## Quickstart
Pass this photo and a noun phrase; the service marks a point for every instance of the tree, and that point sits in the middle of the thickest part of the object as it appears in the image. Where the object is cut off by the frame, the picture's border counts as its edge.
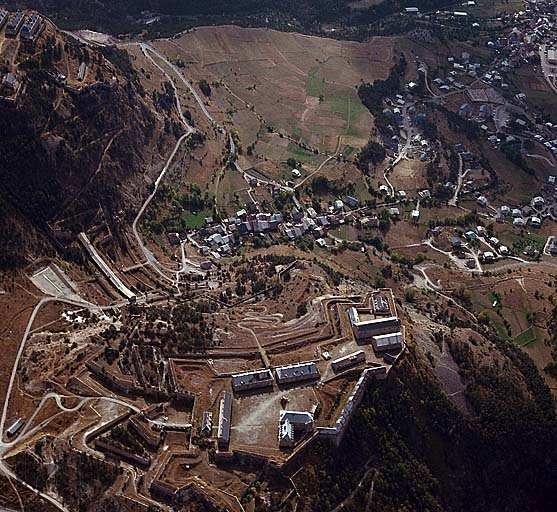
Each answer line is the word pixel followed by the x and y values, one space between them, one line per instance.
pixel 205 87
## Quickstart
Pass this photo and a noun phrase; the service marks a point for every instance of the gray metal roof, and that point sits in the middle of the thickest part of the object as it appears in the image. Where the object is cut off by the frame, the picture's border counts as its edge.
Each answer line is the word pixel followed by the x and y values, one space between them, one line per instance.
pixel 299 370
pixel 225 417
pixel 257 377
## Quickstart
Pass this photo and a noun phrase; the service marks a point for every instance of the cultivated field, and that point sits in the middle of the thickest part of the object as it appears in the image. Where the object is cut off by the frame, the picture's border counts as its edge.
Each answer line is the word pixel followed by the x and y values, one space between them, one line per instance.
pixel 302 86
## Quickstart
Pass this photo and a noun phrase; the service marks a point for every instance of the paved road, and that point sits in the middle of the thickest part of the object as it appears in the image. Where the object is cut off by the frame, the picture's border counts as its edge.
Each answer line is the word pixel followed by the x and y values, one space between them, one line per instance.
pixel 3 446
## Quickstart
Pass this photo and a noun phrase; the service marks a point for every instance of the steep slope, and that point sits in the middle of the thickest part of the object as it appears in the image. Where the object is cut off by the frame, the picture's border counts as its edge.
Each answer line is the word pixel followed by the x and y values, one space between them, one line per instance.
pixel 69 147
pixel 410 448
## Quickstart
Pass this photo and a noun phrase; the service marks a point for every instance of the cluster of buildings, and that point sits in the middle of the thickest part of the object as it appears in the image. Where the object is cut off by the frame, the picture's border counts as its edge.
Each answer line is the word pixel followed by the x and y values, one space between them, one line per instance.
pixel 495 248
pixel 419 146
pixel 377 324
pixel 527 215
pixel 257 379
pixel 290 422
pixel 540 208
pixel 217 239
pixel 28 27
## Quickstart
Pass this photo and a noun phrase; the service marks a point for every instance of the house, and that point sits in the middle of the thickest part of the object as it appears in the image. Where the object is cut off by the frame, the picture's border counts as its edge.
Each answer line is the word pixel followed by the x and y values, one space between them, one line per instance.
pixel 538 202
pixel 82 72
pixel 456 243
pixel 11 82
pixel 415 215
pixel 215 239
pixel 3 17
pixel 373 222
pixel 516 213
pixel 15 427
pixel 15 22
pixel 296 174
pixel 352 202
pixel 31 28
pixel 402 195
pixel 470 235
pixel 339 205
pixel 504 250
pixel 505 210
pixel 323 221
pixel 311 213
pixel 206 265
pixel 488 256
pixel 319 232
pixel 173 238
pixel 519 222
pixel 394 211
pixel 536 222
pixel 297 215
pixel 383 189
pixel 412 11
pixel 499 218
pixel 465 109
pixel 482 201
pixel 530 251
pixel 494 241
pixel 321 243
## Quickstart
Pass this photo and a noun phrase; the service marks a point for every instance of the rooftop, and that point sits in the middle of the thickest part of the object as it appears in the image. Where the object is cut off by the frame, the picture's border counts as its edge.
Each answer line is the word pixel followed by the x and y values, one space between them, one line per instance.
pixel 299 370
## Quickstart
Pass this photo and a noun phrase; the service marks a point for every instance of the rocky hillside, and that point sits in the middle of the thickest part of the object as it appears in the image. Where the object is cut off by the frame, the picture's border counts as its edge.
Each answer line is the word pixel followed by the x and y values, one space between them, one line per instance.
pixel 410 448
pixel 69 147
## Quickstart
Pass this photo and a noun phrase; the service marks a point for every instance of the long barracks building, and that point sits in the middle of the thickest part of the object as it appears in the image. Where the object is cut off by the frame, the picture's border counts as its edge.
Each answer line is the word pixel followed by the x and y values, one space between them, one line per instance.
pixel 366 328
